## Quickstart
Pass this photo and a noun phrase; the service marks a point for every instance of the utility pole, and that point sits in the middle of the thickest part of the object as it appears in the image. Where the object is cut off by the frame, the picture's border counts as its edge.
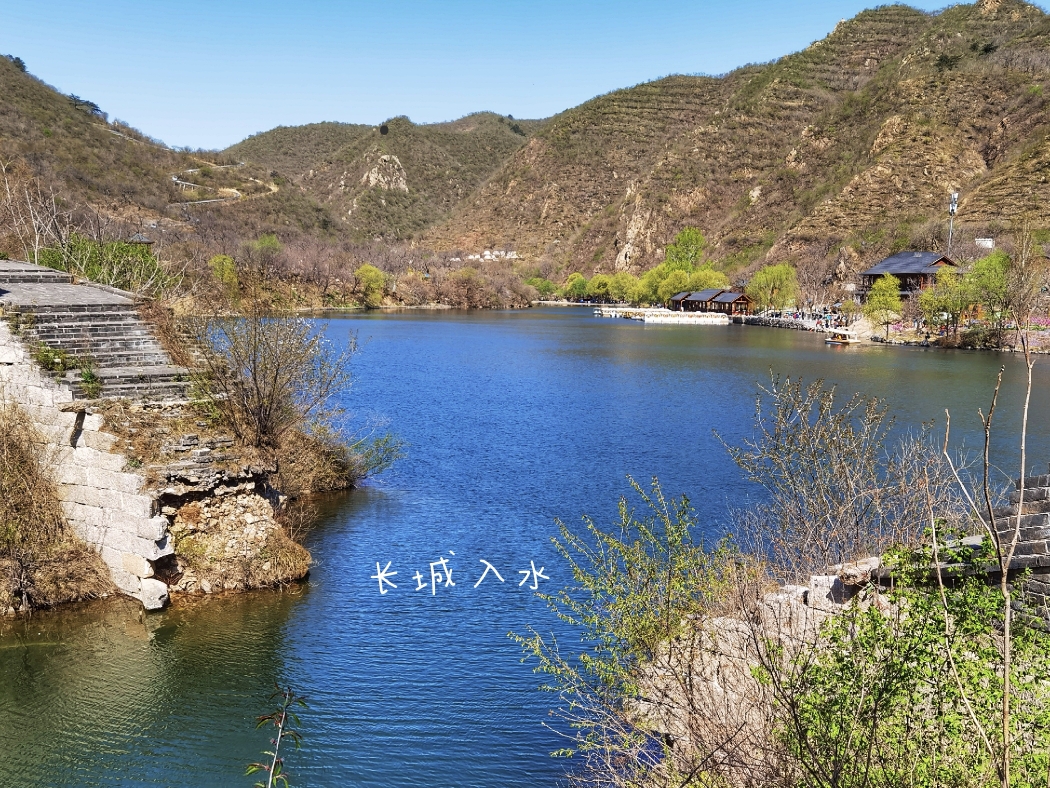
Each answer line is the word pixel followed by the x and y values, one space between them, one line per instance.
pixel 953 206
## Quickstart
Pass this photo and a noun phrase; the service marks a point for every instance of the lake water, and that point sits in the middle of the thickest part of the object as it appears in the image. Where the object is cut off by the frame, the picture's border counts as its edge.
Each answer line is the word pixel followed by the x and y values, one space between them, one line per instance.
pixel 512 419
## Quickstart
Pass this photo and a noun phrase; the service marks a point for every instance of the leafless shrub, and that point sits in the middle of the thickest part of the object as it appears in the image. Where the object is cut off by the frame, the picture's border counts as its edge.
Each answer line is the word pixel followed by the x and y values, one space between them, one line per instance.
pixel 32 210
pixel 269 374
pixel 837 489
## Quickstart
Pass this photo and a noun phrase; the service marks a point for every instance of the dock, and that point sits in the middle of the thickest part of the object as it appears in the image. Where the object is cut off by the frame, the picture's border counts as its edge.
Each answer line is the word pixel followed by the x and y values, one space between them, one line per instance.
pixel 659 315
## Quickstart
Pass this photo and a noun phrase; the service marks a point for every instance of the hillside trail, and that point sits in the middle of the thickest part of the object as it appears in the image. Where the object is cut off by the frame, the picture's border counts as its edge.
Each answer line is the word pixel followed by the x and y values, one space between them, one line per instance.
pixel 234 194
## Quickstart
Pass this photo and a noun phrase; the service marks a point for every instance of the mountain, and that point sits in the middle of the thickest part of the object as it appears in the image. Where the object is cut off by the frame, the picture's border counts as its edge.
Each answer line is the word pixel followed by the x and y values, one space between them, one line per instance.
pixel 828 158
pixel 390 181
pixel 841 152
pixel 118 173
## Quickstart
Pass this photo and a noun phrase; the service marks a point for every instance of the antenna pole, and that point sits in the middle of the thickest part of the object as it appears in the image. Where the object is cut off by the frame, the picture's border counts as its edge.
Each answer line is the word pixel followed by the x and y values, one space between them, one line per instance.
pixel 953 206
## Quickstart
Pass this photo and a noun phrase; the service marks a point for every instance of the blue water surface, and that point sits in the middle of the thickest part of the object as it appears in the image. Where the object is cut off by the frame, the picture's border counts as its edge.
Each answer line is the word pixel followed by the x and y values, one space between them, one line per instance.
pixel 511 419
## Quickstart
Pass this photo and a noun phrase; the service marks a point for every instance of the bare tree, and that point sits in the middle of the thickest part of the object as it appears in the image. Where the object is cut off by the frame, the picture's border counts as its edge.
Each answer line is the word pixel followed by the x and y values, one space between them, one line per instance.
pixel 32 210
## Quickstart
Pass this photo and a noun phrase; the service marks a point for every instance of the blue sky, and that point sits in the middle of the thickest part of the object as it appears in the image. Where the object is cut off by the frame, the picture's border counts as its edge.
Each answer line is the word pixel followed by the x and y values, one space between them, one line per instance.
pixel 208 74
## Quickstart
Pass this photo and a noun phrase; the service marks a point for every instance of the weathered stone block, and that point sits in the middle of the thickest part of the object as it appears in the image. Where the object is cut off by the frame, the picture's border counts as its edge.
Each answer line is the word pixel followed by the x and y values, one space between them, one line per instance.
pixel 100 441
pixel 1030 548
pixel 859 573
pixel 82 494
pixel 80 513
pixel 125 581
pixel 71 474
pixel 93 458
pixel 1007 525
pixel 136 505
pixel 115 481
pixel 153 594
pixel 11 355
pixel 154 529
pixel 1030 561
pixel 50 415
pixel 1031 535
pixel 827 592
pixel 1037 494
pixel 137 565
pixel 1034 482
pixel 125 542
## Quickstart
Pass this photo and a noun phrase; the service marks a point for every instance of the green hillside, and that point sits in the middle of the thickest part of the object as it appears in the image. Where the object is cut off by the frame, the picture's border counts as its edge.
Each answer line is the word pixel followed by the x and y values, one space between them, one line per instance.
pixel 390 181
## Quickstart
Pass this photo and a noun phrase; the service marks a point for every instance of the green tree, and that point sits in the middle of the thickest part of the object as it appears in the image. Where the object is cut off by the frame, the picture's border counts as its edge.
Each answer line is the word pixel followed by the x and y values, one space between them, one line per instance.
pixel 545 287
pixel 118 264
pixel 261 260
pixel 891 694
pixel 637 587
pixel 989 285
pixel 705 278
pixel 576 287
pixel 371 284
pixel 685 253
pixel 649 285
pixel 599 286
pixel 883 304
pixel 224 269
pixel 773 287
pixel 944 303
pixel 623 287
pixel 676 282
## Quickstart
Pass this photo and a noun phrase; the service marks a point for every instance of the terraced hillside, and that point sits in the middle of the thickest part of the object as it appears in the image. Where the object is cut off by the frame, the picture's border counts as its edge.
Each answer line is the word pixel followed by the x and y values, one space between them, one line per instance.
pixel 391 181
pixel 841 152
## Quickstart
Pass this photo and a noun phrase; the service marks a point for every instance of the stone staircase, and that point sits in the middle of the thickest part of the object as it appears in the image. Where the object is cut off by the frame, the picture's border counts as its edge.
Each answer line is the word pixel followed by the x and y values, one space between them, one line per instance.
pixel 115 353
pixel 1031 559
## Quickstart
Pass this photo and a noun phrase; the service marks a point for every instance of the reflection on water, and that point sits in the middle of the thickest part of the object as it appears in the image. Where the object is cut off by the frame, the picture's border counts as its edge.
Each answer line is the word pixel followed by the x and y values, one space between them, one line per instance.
pixel 105 695
pixel 512 419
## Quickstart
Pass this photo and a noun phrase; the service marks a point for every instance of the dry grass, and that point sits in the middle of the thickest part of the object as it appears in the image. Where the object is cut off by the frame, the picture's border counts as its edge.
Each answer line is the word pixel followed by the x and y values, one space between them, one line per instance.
pixel 41 561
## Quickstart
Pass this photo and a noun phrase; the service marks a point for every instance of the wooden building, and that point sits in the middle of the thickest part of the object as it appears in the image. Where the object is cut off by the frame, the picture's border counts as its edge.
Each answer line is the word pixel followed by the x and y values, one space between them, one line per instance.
pixel 714 299
pixel 732 303
pixel 915 270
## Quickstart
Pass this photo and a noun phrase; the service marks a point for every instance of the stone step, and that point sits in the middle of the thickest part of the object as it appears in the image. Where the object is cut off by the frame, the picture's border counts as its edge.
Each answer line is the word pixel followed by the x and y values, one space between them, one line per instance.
pixel 77 309
pixel 155 381
pixel 104 331
pixel 134 373
pixel 88 347
pixel 87 332
pixel 102 320
pixel 72 337
pixel 80 322
pixel 100 313
pixel 84 342
pixel 167 391
pixel 125 360
pixel 1031 494
pixel 87 350
pixel 33 277
pixel 1034 506
pixel 1034 482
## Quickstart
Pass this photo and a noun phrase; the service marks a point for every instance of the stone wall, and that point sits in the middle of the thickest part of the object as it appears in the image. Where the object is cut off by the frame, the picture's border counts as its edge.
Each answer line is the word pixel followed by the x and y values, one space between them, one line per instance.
pixel 106 504
pixel 1033 544
pixel 222 510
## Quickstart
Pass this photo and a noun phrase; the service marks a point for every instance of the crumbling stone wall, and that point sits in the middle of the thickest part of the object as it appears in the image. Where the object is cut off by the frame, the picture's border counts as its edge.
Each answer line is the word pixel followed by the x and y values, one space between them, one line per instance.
pixel 126 511
pixel 106 504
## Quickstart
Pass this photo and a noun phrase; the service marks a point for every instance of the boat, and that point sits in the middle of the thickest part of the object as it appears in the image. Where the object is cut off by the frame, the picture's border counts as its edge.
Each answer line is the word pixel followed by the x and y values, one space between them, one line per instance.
pixel 841 336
